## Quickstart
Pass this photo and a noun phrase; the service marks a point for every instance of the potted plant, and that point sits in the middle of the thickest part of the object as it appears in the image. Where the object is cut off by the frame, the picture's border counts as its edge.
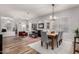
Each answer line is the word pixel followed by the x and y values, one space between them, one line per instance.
pixel 76 31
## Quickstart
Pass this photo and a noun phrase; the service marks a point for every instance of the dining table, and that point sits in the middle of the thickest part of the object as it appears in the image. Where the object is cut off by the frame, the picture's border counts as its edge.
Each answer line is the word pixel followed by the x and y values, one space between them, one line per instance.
pixel 53 37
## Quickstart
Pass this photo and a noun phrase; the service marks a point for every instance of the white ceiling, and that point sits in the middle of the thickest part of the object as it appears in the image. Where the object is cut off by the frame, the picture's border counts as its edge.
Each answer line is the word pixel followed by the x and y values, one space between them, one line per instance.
pixel 31 10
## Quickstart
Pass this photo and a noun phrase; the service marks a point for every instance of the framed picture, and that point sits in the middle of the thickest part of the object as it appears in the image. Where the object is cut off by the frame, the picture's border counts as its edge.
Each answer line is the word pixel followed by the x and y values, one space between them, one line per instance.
pixel 34 26
pixel 41 25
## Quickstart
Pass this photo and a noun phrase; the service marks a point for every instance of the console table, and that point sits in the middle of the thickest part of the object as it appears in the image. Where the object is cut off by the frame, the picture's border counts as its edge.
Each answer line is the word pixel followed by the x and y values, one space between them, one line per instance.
pixel 75 43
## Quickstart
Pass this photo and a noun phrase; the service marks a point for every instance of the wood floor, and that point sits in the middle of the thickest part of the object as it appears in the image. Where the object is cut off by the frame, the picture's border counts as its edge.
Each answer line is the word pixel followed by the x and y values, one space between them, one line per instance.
pixel 18 45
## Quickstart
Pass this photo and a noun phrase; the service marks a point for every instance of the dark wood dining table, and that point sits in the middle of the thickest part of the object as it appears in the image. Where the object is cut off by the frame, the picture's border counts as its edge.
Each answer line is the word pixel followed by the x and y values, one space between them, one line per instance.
pixel 53 37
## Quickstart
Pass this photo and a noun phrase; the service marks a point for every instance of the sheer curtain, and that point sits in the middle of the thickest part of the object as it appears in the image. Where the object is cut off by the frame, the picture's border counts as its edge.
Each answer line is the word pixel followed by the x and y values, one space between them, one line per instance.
pixel 62 24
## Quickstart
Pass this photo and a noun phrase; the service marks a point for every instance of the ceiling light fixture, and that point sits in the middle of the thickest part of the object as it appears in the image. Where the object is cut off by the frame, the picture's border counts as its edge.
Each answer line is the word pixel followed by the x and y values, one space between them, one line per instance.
pixel 53 14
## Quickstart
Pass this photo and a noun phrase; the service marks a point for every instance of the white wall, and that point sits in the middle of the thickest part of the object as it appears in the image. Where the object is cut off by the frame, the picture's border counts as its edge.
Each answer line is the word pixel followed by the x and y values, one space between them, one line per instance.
pixel 72 16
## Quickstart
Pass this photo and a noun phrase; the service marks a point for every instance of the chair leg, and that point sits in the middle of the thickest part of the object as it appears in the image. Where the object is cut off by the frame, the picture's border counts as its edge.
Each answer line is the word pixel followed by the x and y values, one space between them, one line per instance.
pixel 46 45
pixel 60 41
pixel 57 44
pixel 41 43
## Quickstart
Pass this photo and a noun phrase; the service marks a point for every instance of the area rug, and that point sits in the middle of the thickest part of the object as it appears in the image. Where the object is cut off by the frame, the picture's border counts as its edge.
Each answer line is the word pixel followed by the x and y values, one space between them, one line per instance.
pixel 65 48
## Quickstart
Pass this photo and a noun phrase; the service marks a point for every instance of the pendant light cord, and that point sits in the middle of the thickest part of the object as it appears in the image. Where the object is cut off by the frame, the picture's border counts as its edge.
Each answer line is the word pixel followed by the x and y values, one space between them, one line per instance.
pixel 53 10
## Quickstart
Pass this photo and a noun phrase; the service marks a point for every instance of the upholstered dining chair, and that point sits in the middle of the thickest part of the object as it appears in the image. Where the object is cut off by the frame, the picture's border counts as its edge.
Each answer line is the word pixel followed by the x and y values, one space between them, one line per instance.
pixel 45 39
pixel 53 32
pixel 59 38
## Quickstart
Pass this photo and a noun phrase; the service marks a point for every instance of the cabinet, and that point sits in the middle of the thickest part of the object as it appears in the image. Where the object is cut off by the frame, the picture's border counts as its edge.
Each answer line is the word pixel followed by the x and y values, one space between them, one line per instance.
pixel 0 43
pixel 76 44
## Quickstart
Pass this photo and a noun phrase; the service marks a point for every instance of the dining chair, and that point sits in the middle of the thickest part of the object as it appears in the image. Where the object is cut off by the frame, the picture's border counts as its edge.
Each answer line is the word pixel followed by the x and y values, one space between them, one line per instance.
pixel 59 38
pixel 45 39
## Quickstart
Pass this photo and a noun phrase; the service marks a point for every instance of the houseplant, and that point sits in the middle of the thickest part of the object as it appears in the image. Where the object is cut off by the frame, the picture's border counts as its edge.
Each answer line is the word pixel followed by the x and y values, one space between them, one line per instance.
pixel 76 31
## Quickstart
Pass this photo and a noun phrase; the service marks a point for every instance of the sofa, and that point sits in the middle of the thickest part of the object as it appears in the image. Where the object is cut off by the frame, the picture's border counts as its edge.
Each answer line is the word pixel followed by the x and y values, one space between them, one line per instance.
pixel 23 33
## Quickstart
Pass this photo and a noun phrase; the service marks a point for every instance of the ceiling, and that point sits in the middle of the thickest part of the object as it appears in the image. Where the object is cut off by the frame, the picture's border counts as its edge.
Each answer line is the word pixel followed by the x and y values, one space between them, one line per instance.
pixel 28 11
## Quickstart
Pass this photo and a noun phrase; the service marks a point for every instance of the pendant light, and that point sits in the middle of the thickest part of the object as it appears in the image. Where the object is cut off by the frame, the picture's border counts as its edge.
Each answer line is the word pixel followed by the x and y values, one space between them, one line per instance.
pixel 53 14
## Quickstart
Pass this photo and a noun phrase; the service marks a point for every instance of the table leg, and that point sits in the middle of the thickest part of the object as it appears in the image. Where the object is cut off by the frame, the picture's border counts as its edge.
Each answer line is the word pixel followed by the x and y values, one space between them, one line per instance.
pixel 52 44
pixel 74 45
